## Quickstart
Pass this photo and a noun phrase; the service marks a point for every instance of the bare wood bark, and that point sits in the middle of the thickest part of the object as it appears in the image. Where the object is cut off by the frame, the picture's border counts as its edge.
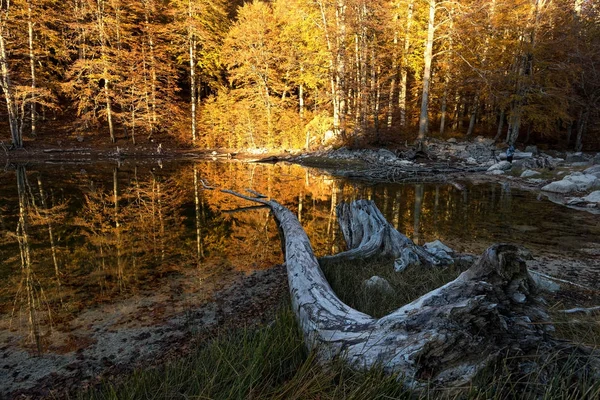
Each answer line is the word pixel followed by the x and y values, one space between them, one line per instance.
pixel 445 337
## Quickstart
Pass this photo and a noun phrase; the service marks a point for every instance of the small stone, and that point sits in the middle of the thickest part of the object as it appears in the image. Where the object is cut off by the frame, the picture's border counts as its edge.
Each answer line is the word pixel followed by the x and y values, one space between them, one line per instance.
pixel 495 172
pixel 502 166
pixel 471 161
pixel 528 173
pixel 451 140
pixel 379 284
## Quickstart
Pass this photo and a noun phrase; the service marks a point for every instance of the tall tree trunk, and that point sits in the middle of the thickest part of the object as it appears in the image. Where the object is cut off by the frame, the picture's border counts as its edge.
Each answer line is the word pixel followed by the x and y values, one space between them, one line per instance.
pixel 444 106
pixel 402 96
pixel 500 126
pixel 424 119
pixel 581 128
pixel 32 105
pixel 5 80
pixel 339 119
pixel 192 54
pixel 473 117
pixel 148 7
pixel 105 73
pixel 390 110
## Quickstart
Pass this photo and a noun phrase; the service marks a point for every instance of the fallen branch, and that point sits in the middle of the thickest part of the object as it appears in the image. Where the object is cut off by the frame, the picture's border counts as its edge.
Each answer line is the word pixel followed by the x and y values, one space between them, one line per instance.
pixel 445 337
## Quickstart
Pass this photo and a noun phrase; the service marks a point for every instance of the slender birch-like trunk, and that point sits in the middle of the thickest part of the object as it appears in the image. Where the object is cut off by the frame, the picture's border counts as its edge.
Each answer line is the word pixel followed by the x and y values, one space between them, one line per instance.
pixel 192 54
pixel 424 119
pixel 404 71
pixel 5 80
pixel 32 106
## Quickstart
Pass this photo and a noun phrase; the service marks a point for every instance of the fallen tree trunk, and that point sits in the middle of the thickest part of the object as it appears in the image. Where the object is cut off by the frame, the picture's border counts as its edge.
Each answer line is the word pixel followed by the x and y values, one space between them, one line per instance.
pixel 445 337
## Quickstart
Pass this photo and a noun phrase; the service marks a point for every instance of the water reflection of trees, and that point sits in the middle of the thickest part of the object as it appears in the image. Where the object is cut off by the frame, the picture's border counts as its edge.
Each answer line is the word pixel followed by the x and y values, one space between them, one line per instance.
pixel 35 290
pixel 69 241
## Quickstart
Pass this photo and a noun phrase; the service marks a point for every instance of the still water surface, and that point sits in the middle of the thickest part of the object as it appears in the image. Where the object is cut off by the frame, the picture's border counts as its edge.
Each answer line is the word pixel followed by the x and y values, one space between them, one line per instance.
pixel 73 238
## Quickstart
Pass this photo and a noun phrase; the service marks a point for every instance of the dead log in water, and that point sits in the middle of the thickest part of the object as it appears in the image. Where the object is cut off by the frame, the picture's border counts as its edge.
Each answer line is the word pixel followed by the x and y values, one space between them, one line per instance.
pixel 445 337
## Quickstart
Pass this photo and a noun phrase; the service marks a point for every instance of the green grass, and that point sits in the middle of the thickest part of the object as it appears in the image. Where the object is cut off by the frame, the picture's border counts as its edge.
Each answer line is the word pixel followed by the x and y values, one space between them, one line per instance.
pixel 271 362
pixel 347 280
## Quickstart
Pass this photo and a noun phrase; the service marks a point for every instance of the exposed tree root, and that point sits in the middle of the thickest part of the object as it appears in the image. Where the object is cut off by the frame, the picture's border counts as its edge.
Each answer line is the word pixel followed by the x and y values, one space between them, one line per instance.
pixel 446 336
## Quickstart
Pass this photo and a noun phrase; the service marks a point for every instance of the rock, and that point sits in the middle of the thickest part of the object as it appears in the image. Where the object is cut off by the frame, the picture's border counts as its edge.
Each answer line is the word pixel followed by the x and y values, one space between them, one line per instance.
pixel 532 150
pixel 595 170
pixel 563 186
pixel 378 284
pixel 80 139
pixel 536 181
pixel 495 172
pixel 519 155
pixel 451 140
pixel 593 197
pixel 583 181
pixel 440 251
pixel 528 173
pixel 471 161
pixel 580 164
pixel 484 141
pixel 596 160
pixel 436 245
pixel 502 166
pixel 575 157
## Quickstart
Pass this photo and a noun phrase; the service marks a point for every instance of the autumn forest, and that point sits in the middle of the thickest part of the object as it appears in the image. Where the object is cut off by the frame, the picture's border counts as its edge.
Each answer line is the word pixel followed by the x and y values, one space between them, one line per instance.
pixel 292 74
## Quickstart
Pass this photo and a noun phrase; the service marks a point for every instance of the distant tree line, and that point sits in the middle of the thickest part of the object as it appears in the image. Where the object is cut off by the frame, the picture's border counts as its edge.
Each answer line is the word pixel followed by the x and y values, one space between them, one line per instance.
pixel 292 73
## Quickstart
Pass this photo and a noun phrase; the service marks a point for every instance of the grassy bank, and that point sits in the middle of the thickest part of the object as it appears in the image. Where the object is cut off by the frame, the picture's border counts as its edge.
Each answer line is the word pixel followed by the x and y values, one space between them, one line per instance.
pixel 271 362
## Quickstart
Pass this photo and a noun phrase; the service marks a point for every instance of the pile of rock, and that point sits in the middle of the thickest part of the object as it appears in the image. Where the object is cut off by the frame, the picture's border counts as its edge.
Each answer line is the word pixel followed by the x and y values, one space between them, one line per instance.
pixel 576 182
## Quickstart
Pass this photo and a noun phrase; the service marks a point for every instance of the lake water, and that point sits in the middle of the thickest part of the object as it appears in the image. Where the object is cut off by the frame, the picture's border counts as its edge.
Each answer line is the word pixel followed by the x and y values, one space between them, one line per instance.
pixel 74 238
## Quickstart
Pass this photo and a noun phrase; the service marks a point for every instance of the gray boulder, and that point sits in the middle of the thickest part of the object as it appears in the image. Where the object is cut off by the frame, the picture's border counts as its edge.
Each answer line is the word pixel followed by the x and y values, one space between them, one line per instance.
pixel 532 149
pixel 563 186
pixel 378 284
pixel 575 157
pixel 583 181
pixel 528 173
pixel 440 251
pixel 519 155
pixel 501 166
pixel 596 160
pixel 593 197
pixel 595 170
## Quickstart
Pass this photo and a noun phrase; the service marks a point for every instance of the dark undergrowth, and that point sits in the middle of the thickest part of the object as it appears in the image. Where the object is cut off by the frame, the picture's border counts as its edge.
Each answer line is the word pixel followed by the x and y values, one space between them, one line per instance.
pixel 271 362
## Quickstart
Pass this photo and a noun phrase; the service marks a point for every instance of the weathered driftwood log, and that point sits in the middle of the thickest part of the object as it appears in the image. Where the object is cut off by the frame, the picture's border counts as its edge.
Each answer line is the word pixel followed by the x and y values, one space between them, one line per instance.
pixel 368 233
pixel 446 336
